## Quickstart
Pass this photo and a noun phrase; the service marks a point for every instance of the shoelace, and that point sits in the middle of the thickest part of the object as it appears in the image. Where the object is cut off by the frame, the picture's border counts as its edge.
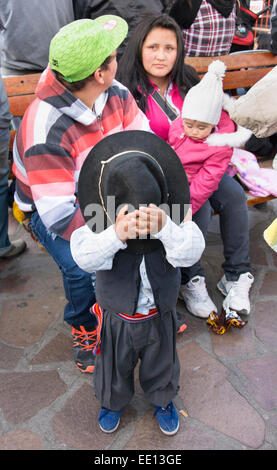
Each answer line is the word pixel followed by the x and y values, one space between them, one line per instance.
pixel 85 339
pixel 240 288
pixel 200 291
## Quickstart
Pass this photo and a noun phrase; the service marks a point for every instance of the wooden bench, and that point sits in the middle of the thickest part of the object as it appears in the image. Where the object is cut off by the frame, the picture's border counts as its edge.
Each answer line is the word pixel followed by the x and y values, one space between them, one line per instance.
pixel 243 70
pixel 21 92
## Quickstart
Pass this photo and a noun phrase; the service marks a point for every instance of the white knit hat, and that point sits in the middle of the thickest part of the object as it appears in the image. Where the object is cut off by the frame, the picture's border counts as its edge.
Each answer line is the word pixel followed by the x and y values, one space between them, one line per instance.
pixel 204 101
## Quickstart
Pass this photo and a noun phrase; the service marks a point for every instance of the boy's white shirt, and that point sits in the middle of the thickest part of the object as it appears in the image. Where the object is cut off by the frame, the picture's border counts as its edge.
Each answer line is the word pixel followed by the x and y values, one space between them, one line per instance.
pixel 184 245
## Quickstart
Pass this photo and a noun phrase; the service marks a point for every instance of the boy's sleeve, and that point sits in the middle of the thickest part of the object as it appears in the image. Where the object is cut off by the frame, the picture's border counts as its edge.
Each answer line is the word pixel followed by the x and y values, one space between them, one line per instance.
pixel 184 244
pixel 95 251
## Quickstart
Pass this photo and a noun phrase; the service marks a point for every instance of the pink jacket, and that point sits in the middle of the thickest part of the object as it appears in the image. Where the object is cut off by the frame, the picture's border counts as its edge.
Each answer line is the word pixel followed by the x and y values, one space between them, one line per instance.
pixel 204 165
pixel 158 121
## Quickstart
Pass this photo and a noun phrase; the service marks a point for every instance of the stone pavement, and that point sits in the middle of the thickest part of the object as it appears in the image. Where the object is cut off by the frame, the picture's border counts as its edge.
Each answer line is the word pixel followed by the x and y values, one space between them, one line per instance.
pixel 228 385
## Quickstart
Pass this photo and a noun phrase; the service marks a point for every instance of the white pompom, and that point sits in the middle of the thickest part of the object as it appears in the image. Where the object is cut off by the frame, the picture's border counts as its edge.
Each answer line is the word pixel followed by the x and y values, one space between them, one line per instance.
pixel 217 67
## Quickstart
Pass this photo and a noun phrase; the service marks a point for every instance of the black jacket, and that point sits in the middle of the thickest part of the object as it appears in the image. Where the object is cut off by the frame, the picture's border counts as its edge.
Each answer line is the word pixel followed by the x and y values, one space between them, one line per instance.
pixel 131 11
pixel 185 13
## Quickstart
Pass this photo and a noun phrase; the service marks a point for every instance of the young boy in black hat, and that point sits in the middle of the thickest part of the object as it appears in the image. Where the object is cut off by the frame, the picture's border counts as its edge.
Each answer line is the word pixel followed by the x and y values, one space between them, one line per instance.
pixel 133 194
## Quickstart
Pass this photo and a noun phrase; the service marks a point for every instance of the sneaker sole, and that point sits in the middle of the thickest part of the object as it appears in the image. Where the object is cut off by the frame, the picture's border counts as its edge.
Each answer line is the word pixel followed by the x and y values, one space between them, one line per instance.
pixel 88 369
pixel 169 433
pixel 110 430
pixel 182 328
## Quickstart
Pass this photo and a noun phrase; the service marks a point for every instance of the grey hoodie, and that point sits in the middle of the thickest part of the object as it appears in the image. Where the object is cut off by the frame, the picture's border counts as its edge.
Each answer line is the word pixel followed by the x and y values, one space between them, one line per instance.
pixel 5 115
pixel 30 25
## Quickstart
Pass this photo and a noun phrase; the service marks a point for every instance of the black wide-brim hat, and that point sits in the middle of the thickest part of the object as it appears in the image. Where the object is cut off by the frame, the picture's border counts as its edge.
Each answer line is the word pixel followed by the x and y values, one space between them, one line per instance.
pixel 100 174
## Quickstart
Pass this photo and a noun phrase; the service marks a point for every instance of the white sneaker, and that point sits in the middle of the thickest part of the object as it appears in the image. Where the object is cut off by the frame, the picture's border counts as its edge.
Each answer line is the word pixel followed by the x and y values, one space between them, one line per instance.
pixel 196 297
pixel 237 293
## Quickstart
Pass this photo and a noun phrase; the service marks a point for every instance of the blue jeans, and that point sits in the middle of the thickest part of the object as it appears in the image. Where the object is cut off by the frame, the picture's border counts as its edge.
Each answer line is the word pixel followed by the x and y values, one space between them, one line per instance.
pixel 229 201
pixel 78 284
pixel 5 243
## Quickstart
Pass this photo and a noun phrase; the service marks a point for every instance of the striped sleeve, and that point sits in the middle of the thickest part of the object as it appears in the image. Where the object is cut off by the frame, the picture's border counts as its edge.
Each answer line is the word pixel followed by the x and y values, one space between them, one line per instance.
pixel 50 171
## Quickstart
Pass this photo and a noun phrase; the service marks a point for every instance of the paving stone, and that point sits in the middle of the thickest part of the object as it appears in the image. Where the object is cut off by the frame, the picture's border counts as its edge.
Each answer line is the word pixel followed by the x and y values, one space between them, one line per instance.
pixel 195 326
pixel 257 254
pixel 20 440
pixel 16 283
pixel 234 342
pixel 9 356
pixel 266 322
pixel 273 420
pixel 76 424
pixel 59 349
pixel 22 282
pixel 23 394
pixel 148 436
pixel 269 284
pixel 30 319
pixel 262 375
pixel 208 396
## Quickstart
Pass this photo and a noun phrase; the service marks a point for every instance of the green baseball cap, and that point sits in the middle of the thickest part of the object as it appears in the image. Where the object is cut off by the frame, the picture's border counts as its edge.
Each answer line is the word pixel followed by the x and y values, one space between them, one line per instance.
pixel 82 46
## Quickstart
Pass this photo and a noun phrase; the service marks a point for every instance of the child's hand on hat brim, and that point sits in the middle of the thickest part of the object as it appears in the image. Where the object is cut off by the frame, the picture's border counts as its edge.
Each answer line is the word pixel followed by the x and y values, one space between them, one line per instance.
pixel 151 219
pixel 126 224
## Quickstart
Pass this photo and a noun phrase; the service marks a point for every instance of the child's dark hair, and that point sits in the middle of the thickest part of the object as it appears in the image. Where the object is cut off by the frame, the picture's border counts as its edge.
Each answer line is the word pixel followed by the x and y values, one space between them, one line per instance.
pixel 131 72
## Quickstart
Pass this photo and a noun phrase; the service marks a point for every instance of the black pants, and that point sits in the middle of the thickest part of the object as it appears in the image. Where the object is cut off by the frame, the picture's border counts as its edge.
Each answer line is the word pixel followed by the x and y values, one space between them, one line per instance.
pixel 123 344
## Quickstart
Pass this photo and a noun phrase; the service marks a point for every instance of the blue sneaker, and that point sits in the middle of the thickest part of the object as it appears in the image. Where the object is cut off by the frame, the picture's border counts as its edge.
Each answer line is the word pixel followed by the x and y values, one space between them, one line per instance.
pixel 108 420
pixel 167 418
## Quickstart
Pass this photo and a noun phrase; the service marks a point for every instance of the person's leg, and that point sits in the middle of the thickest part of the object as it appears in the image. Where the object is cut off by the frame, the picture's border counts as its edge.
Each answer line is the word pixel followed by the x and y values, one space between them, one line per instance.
pixel 4 178
pixel 202 218
pixel 230 201
pixel 160 369
pixel 193 286
pixel 114 370
pixel 79 291
pixel 7 249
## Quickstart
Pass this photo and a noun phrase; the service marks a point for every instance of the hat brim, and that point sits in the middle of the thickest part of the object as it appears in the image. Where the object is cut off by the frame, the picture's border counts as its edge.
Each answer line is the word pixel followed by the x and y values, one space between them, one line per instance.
pixel 138 141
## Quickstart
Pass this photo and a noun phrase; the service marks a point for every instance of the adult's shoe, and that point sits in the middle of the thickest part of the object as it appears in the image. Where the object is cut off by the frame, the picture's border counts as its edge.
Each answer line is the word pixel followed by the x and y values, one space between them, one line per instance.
pixel 237 293
pixel 17 247
pixel 196 297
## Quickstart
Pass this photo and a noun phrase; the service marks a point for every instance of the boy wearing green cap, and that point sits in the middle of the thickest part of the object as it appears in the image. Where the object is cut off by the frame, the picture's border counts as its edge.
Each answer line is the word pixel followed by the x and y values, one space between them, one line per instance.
pixel 78 103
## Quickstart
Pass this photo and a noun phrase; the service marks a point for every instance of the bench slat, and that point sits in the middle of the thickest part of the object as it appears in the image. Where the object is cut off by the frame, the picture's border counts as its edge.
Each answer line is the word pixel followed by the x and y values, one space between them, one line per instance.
pixel 234 61
pixel 21 84
pixel 19 104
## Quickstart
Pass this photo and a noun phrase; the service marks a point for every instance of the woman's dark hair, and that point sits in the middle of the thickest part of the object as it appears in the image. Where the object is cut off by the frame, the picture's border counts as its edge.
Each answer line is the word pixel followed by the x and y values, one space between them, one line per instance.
pixel 80 84
pixel 131 72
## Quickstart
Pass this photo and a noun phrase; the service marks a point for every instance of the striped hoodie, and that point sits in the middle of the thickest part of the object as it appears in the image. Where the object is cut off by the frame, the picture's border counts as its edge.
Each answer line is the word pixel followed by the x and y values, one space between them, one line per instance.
pixel 56 134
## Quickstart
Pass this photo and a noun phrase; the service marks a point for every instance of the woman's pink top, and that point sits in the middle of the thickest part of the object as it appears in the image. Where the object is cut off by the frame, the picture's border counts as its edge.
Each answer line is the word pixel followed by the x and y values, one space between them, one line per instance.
pixel 158 121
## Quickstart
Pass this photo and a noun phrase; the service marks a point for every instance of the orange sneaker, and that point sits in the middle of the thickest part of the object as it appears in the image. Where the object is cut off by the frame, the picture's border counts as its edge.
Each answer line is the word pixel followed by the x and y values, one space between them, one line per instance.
pixel 83 344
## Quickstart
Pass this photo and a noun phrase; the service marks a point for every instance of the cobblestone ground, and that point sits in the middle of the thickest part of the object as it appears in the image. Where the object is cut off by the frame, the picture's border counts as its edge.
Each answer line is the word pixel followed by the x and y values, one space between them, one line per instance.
pixel 228 386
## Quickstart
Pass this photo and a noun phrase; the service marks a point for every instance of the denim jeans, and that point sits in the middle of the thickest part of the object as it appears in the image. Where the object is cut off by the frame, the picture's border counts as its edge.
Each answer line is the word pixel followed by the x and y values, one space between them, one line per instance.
pixel 5 243
pixel 78 284
pixel 229 201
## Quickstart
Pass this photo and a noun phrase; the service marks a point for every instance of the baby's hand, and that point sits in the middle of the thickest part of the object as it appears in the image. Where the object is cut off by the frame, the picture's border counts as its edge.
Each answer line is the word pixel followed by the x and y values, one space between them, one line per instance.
pixel 126 224
pixel 151 219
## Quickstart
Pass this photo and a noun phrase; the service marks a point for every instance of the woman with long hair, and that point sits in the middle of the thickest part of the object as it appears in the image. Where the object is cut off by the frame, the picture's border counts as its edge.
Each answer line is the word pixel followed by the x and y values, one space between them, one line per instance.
pixel 153 69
